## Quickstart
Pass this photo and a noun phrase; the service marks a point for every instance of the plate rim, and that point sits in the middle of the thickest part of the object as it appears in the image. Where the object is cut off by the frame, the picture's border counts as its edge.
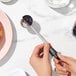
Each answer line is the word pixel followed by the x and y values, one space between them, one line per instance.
pixel 8 42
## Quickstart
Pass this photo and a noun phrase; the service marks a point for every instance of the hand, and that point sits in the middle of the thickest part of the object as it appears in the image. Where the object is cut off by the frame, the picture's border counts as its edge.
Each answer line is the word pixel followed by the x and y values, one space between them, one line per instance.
pixel 40 60
pixel 68 67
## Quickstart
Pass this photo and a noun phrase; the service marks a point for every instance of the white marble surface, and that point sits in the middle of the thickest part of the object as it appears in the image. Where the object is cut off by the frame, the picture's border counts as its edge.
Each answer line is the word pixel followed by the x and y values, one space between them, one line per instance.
pixel 56 28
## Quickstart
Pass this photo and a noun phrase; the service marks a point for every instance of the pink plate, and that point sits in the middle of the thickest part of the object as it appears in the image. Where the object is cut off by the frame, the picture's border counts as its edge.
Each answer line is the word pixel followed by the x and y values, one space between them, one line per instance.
pixel 8 34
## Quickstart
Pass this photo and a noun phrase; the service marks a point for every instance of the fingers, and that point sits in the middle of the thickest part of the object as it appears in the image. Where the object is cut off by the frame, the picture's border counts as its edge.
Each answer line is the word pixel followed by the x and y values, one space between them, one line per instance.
pixel 38 49
pixel 59 72
pixel 65 59
pixel 46 50
pixel 35 53
pixel 42 49
pixel 60 68
pixel 60 65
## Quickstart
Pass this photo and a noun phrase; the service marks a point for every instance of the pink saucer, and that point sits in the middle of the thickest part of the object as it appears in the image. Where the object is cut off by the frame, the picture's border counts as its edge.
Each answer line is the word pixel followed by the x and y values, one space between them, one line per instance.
pixel 8 34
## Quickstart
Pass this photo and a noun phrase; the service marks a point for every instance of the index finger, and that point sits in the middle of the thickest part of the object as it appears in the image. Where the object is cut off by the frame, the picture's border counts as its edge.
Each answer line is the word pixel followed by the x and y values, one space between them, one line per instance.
pixel 38 49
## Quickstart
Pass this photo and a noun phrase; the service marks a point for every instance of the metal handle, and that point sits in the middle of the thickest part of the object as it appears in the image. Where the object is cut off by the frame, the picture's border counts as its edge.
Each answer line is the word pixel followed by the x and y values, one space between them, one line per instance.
pixel 53 52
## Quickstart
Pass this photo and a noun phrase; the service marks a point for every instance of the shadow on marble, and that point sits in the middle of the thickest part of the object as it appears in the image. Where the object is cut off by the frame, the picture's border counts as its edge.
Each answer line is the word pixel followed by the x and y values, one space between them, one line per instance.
pixel 12 48
pixel 36 26
pixel 11 2
pixel 27 74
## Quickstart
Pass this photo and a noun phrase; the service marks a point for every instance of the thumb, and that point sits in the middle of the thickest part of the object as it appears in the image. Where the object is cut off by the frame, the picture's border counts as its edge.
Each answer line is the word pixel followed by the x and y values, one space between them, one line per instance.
pixel 65 59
